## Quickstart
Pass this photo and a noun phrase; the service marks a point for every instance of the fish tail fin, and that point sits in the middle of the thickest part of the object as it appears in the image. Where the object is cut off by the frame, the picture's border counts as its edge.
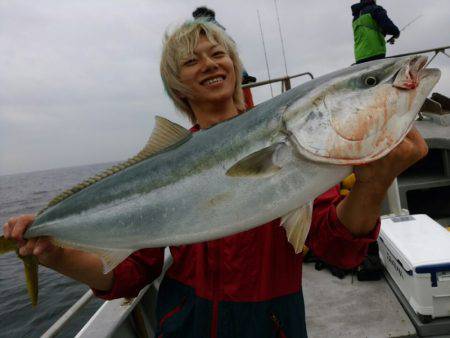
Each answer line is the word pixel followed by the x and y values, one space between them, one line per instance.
pixel 30 264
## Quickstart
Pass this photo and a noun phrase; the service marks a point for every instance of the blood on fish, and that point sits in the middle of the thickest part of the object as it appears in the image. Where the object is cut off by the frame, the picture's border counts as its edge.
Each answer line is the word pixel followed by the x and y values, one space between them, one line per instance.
pixel 411 85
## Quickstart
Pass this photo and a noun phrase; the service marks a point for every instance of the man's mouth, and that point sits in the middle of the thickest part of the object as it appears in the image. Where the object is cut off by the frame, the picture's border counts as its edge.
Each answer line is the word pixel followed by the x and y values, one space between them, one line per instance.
pixel 213 80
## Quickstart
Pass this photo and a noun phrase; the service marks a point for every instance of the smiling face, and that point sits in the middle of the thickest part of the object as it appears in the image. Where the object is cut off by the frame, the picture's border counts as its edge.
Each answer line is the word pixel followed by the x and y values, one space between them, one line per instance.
pixel 181 56
pixel 209 75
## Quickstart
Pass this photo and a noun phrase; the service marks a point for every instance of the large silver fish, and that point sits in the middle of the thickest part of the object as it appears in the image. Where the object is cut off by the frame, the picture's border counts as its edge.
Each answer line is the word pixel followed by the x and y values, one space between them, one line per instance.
pixel 269 162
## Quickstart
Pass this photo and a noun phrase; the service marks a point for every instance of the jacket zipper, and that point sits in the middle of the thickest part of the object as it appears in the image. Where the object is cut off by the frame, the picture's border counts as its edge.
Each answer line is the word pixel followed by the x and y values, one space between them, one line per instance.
pixel 216 288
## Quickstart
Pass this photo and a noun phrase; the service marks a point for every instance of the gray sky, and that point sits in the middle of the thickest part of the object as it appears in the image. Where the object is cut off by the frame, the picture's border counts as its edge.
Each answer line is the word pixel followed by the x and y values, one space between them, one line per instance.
pixel 80 84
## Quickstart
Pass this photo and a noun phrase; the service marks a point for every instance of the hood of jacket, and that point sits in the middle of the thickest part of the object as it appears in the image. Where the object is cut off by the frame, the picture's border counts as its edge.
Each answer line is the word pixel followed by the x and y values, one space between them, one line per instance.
pixel 358 7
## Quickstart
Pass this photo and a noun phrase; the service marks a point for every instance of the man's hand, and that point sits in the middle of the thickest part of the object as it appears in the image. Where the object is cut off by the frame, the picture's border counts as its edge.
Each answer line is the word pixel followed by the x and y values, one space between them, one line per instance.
pixel 379 175
pixel 392 39
pixel 81 266
pixel 16 227
pixel 360 210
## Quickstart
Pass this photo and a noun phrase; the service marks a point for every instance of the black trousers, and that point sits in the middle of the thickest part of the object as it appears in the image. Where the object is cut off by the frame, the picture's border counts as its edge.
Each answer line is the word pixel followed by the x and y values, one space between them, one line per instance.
pixel 375 57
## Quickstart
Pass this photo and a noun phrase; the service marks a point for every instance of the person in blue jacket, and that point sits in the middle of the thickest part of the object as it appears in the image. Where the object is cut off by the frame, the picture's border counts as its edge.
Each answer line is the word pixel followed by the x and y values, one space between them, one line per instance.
pixel 371 24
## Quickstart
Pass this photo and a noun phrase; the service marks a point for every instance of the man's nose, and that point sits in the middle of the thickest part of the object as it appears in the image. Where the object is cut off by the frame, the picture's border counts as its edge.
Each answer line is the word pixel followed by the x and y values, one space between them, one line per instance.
pixel 209 63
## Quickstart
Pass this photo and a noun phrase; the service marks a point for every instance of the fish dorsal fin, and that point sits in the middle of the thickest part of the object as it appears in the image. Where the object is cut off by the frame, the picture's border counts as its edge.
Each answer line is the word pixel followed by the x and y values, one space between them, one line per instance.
pixel 297 224
pixel 164 135
pixel 263 163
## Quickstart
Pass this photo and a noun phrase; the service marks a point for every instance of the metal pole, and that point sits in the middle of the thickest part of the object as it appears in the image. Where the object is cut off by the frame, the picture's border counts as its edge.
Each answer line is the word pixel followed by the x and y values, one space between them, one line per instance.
pixel 437 50
pixel 287 84
pixel 262 83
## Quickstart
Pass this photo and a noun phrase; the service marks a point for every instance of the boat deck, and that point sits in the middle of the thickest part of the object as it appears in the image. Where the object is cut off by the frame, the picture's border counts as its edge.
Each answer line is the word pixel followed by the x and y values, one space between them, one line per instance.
pixel 345 308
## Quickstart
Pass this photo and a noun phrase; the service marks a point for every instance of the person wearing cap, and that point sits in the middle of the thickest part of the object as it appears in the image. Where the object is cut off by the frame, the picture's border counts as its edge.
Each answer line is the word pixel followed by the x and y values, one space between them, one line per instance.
pixel 371 24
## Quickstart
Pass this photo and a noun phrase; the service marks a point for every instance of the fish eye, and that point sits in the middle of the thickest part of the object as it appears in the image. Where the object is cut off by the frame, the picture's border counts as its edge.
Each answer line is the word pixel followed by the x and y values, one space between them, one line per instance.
pixel 371 81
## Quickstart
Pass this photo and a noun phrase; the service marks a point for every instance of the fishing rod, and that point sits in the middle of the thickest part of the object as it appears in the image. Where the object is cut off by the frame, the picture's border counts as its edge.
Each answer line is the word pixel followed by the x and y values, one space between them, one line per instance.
pixel 281 38
pixel 265 53
pixel 392 39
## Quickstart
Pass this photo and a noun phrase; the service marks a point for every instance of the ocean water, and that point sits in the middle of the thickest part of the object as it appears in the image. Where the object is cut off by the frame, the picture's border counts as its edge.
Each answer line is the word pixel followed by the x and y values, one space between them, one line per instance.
pixel 28 193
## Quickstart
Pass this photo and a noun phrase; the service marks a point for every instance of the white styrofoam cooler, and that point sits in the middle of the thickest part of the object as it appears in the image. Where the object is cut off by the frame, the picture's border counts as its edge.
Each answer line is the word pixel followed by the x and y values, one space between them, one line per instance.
pixel 416 253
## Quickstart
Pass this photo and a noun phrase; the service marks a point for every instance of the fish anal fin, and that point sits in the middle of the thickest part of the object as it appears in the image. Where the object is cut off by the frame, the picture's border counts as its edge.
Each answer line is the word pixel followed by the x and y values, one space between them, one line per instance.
pixel 297 224
pixel 109 257
pixel 112 258
pixel 263 163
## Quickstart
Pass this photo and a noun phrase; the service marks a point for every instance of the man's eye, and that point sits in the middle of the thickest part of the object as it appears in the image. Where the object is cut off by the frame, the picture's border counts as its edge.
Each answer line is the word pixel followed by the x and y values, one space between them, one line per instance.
pixel 190 62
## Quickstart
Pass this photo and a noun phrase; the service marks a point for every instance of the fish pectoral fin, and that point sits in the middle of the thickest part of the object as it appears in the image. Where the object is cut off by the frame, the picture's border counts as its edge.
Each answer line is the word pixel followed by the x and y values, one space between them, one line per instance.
pixel 165 134
pixel 297 224
pixel 262 163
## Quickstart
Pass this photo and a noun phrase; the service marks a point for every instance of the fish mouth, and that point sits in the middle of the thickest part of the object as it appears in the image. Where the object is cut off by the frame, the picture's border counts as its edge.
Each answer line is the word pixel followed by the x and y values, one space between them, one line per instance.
pixel 415 78
pixel 409 76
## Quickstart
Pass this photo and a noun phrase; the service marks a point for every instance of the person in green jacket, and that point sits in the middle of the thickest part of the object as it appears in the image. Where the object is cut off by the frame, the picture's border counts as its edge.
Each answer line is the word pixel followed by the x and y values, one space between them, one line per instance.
pixel 370 27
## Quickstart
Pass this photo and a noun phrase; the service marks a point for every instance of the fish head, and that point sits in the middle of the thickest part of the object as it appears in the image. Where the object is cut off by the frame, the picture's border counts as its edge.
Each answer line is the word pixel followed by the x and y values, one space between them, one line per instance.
pixel 361 113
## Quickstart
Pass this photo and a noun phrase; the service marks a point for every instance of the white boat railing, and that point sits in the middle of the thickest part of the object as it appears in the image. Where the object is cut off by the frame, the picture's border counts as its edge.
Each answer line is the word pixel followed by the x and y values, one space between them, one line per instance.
pixel 68 315
pixel 112 314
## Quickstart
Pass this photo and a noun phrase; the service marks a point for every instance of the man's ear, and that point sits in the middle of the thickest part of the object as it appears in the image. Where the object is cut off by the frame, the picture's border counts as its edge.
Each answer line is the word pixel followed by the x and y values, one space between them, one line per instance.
pixel 179 95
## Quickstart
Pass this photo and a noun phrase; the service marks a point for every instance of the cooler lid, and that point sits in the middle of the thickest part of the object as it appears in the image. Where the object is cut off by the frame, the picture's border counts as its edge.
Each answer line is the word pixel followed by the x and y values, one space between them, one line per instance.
pixel 418 240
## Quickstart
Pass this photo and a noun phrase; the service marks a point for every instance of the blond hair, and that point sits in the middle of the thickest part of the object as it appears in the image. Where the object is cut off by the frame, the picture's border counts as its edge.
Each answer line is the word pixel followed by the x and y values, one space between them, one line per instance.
pixel 180 44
